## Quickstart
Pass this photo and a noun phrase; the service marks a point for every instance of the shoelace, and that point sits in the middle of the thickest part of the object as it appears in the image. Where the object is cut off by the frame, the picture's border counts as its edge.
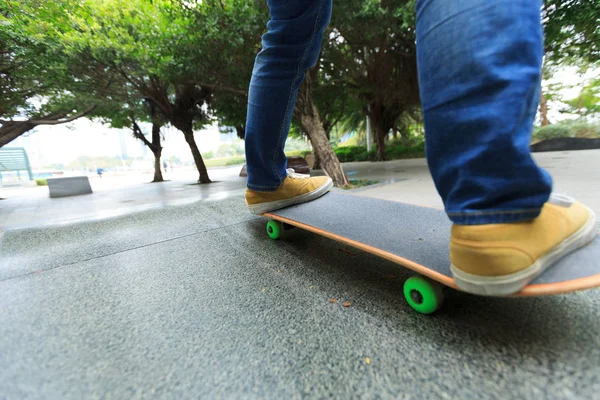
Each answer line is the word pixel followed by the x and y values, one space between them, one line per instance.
pixel 294 175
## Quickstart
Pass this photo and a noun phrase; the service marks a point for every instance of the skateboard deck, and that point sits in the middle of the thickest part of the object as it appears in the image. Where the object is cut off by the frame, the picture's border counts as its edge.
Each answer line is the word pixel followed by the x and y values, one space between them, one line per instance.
pixel 417 238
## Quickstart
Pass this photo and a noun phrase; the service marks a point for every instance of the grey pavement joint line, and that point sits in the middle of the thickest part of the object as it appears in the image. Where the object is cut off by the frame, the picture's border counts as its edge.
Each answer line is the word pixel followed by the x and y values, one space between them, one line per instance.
pixel 126 250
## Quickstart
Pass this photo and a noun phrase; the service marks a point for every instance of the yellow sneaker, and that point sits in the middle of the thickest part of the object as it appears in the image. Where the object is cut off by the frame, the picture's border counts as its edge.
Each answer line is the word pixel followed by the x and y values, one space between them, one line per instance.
pixel 296 188
pixel 500 259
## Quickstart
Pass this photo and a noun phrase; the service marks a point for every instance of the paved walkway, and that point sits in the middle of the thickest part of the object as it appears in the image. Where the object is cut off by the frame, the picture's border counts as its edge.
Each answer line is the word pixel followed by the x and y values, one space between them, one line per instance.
pixel 114 196
pixel 195 301
pixel 574 173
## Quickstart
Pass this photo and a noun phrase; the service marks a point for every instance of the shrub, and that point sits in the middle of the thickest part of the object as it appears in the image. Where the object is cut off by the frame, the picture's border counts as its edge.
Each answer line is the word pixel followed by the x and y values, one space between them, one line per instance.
pixel 221 162
pixel 41 182
pixel 574 128
pixel 552 132
pixel 582 130
pixel 351 153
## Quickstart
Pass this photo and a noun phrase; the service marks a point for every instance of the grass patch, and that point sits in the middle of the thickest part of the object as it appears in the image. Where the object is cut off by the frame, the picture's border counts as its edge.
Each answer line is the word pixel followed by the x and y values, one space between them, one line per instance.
pixel 356 183
pixel 298 153
pixel 222 162
pixel 394 150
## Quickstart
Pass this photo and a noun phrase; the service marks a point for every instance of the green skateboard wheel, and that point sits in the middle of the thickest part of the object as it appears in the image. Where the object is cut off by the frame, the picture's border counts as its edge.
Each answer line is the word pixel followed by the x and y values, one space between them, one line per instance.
pixel 423 295
pixel 274 229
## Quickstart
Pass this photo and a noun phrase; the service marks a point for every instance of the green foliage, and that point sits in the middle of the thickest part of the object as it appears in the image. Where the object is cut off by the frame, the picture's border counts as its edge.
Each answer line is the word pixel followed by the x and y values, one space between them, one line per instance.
pixel 552 131
pixel 230 150
pixel 583 130
pixel 298 153
pixel 226 38
pixel 37 78
pixel 41 182
pixel 222 162
pixel 400 151
pixel 394 149
pixel 566 129
pixel 374 55
pixel 587 103
pixel 208 155
pixel 571 31
pixel 351 153
pixel 118 55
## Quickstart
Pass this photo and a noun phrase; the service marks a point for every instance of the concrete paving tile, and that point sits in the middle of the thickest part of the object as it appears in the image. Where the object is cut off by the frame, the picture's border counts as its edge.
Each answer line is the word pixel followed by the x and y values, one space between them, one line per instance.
pixel 230 313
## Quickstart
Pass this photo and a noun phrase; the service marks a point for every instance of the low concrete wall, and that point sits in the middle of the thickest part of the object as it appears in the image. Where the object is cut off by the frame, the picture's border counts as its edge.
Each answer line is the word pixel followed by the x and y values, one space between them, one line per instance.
pixel 566 144
pixel 70 186
pixel 297 163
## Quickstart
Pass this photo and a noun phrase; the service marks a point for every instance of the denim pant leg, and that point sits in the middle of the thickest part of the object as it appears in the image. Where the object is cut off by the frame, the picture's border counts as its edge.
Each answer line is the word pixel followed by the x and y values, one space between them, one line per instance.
pixel 290 47
pixel 479 73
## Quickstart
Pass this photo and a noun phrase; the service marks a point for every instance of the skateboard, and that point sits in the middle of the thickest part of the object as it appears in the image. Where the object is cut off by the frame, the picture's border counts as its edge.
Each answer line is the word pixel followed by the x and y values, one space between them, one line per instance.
pixel 417 238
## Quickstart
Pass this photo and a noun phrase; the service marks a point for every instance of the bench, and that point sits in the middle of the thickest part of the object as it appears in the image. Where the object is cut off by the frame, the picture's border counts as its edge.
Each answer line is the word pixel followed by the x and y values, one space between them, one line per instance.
pixel 69 186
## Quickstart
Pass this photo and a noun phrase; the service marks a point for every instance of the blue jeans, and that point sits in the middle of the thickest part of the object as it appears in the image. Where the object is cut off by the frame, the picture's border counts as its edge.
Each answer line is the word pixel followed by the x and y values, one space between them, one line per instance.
pixel 479 67
pixel 290 47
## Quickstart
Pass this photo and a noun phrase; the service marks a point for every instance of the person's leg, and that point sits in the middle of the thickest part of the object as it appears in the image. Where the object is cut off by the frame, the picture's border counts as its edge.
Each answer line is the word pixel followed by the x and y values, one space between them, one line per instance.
pixel 479 74
pixel 290 47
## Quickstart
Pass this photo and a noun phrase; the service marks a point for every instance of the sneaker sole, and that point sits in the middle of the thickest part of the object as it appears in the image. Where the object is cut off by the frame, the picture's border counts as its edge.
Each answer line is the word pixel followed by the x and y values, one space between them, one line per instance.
pixel 509 284
pixel 262 208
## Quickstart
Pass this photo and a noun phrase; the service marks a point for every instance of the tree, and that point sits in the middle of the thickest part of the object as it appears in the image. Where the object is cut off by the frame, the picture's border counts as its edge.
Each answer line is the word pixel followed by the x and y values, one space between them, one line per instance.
pixel 377 55
pixel 125 109
pixel 571 30
pixel 332 101
pixel 587 103
pixel 149 47
pixel 38 85
pixel 230 43
pixel 571 37
pixel 307 115
pixel 230 39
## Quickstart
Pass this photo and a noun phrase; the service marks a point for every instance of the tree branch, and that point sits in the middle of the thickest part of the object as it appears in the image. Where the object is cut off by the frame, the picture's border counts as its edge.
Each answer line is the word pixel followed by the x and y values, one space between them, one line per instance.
pixel 56 119
pixel 137 133
pixel 339 116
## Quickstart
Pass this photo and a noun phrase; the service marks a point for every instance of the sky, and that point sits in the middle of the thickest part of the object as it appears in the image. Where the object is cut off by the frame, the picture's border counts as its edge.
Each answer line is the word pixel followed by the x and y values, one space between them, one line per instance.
pixel 61 144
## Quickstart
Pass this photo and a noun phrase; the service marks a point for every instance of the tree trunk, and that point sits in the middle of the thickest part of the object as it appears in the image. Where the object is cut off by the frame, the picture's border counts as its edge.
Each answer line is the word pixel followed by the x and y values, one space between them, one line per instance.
pixel 308 116
pixel 544 109
pixel 157 151
pixel 154 145
pixel 383 118
pixel 317 163
pixel 157 171
pixel 322 149
pixel 189 138
pixel 240 131
pixel 380 143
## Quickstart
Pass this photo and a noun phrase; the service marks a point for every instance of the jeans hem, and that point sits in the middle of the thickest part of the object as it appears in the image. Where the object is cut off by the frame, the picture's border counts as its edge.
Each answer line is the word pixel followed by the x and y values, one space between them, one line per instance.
pixel 493 217
pixel 259 188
